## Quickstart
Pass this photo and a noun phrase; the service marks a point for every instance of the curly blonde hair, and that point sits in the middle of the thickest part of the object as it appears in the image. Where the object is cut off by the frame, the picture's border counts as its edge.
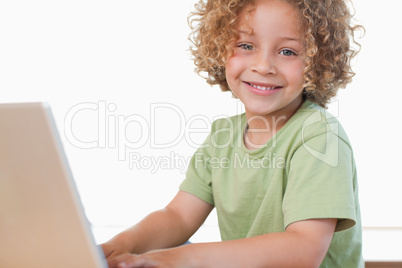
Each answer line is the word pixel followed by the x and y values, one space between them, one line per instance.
pixel 326 26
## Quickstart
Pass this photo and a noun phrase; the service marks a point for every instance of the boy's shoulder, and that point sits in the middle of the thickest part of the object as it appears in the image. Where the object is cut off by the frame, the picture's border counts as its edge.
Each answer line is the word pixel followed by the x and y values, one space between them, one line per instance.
pixel 232 122
pixel 312 120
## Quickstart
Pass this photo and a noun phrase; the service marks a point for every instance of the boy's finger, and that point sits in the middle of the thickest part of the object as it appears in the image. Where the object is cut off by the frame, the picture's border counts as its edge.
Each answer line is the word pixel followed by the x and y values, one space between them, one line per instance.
pixel 121 261
pixel 128 261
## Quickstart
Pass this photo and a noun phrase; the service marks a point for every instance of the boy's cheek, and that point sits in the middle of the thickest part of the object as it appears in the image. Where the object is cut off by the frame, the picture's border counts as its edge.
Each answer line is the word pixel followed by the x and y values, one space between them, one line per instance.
pixel 234 64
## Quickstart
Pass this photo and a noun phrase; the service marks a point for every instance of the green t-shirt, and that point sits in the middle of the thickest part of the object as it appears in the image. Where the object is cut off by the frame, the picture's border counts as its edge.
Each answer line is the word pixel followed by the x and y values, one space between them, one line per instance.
pixel 306 171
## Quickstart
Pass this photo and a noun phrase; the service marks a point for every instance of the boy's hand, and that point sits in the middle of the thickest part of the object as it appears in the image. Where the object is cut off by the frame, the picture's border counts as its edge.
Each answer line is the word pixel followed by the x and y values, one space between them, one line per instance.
pixel 303 244
pixel 156 259
pixel 111 250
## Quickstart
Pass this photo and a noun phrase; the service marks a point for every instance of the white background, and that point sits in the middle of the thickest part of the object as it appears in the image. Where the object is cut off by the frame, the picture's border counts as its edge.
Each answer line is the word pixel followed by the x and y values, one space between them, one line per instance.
pixel 106 66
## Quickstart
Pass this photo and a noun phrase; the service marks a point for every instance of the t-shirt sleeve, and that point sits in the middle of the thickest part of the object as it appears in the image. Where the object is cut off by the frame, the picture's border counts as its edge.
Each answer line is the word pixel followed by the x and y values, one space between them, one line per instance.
pixel 198 179
pixel 321 182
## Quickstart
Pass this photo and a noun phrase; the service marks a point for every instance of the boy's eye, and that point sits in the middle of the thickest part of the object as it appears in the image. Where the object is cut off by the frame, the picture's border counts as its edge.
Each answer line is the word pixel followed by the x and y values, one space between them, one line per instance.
pixel 287 52
pixel 246 46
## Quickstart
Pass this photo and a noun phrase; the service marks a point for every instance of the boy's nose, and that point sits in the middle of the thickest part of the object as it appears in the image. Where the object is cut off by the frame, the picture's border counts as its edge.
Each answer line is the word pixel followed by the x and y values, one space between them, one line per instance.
pixel 264 64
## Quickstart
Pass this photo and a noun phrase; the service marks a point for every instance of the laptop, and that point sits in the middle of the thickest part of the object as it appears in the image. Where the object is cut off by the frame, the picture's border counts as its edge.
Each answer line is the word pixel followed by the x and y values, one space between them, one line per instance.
pixel 42 223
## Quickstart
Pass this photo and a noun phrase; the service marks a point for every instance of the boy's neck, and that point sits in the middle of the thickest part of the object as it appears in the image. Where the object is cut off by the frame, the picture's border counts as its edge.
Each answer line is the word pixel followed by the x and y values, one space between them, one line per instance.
pixel 261 128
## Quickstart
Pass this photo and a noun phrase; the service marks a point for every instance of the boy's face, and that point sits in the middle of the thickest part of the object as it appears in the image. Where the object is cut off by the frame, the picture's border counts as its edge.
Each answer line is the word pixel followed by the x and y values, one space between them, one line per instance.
pixel 266 70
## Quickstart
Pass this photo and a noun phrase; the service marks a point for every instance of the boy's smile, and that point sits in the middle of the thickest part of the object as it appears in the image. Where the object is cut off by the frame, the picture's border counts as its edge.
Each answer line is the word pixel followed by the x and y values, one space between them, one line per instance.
pixel 262 89
pixel 266 69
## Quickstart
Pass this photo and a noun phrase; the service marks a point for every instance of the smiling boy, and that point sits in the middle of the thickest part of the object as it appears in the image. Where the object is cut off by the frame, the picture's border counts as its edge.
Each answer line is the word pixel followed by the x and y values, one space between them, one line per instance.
pixel 303 213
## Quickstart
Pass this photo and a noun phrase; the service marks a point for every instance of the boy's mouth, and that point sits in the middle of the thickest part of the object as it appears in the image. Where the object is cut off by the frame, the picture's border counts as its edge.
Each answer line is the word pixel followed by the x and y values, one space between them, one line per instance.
pixel 263 87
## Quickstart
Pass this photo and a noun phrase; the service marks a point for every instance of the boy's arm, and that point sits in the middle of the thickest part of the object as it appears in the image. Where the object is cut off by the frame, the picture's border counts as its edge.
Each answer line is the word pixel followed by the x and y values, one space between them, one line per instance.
pixel 168 227
pixel 303 244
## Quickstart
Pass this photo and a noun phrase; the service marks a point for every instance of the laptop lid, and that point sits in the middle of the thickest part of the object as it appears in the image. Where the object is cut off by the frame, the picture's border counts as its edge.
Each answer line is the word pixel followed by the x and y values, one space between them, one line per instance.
pixel 42 223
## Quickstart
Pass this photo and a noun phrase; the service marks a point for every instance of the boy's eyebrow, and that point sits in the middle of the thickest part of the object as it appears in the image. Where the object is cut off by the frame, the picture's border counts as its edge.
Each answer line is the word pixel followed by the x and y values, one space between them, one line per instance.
pixel 246 32
pixel 290 38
